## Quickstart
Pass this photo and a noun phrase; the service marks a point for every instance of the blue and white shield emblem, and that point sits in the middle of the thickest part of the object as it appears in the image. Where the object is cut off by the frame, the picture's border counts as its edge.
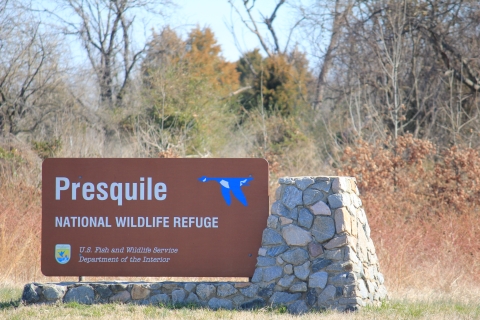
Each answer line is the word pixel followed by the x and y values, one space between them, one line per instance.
pixel 62 253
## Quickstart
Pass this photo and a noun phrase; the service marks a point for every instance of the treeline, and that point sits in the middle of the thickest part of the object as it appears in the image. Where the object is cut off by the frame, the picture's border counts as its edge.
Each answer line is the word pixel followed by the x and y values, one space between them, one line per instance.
pixel 371 70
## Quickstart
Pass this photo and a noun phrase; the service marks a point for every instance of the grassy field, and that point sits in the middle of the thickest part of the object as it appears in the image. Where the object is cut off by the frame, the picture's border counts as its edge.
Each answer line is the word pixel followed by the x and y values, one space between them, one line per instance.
pixel 404 305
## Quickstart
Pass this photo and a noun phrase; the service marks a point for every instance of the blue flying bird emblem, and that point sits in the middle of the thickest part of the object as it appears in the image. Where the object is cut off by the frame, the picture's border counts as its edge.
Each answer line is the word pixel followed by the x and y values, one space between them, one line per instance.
pixel 230 184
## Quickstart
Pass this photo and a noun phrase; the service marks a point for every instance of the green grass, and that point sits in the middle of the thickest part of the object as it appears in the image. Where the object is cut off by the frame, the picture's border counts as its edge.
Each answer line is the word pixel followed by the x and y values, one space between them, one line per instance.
pixel 432 307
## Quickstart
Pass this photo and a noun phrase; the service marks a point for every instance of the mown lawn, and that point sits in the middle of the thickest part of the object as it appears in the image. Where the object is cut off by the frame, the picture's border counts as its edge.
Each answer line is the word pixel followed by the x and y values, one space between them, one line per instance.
pixel 417 308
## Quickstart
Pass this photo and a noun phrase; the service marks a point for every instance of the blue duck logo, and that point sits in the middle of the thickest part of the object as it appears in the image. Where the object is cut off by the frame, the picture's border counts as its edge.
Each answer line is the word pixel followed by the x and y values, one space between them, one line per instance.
pixel 231 185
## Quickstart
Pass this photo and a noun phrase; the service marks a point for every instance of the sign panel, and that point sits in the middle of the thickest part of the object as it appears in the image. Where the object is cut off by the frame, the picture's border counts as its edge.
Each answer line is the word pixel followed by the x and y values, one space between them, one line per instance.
pixel 153 217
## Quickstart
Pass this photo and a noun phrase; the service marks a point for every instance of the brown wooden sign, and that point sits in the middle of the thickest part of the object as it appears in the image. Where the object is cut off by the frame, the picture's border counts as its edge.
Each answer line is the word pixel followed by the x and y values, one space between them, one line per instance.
pixel 153 217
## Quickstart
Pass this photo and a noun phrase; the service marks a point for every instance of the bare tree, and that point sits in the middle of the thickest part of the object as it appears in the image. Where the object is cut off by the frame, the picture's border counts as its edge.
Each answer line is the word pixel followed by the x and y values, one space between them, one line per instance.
pixel 30 74
pixel 105 29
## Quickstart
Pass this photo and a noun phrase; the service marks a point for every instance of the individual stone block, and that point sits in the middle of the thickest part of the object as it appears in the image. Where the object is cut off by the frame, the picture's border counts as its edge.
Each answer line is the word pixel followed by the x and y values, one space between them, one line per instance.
pixel 320 208
pixel 284 221
pixel 302 271
pixel 262 252
pixel 272 222
pixel 298 287
pixel 305 218
pixel 298 307
pixel 216 304
pixel 275 251
pixel 83 295
pixel 178 296
pixel 192 298
pixel 225 290
pixel 271 273
pixel 295 256
pixel 139 292
pixel 205 291
pixel 343 222
pixel 296 236
pixel 322 186
pixel 54 292
pixel 318 280
pixel 30 294
pixel 123 297
pixel 279 209
pixel 265 262
pixel 288 269
pixel 304 182
pixel 311 196
pixel 283 298
pixel 334 254
pixel 286 281
pixel 323 228
pixel 253 304
pixel 315 249
pixel 250 291
pixel 320 264
pixel 271 237
pixel 339 200
pixel 190 286
pixel 341 184
pixel 328 294
pixel 292 197
pixel 340 241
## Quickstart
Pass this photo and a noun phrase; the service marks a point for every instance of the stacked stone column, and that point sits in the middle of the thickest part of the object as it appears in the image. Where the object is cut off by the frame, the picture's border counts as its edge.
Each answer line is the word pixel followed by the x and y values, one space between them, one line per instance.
pixel 316 250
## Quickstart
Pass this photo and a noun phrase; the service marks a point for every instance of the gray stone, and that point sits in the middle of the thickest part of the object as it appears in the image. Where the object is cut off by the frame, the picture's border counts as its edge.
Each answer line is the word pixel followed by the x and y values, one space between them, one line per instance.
pixel 380 278
pixel 272 222
pixel 286 180
pixel 154 286
pixel 275 251
pixel 262 252
pixel 83 295
pixel 339 200
pixel 266 291
pixel 271 237
pixel 286 281
pixel 338 267
pixel 302 271
pixel 30 294
pixel 315 249
pixel 225 290
pixel 257 275
pixel 298 307
pixel 190 286
pixel 296 236
pixel 320 264
pixel 161 298
pixel 192 298
pixel 323 228
pixel 253 304
pixel 216 304
pixel 284 221
pixel 122 296
pixel 304 182
pixel 362 289
pixel 178 296
pixel 288 269
pixel 336 254
pixel 311 196
pixel 341 184
pixel 250 291
pixel 337 242
pixel 295 256
pixel 103 291
pixel 322 185
pixel 298 287
pixel 318 280
pixel 280 261
pixel 342 279
pixel 292 197
pixel 311 297
pixel 328 294
pixel 320 209
pixel 53 292
pixel 305 218
pixel 283 298
pixel 205 291
pixel 271 273
pixel 280 210
pixel 265 262
pixel 118 287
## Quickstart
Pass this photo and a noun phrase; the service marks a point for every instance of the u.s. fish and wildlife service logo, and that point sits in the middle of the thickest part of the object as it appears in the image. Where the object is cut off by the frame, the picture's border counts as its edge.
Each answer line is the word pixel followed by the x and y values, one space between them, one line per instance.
pixel 62 253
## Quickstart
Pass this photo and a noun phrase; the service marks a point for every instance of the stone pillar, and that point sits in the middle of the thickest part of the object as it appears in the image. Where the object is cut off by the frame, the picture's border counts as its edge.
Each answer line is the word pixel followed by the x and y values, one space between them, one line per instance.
pixel 316 250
